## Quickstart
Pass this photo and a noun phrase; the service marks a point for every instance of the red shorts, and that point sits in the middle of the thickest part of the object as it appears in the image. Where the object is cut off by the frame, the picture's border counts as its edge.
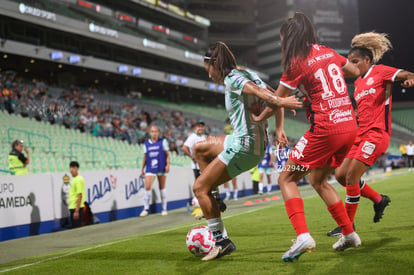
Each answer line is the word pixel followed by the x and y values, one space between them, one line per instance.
pixel 315 151
pixel 369 146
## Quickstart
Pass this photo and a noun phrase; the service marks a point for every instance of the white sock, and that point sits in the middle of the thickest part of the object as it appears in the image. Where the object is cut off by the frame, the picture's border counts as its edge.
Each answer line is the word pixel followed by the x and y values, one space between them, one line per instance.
pixel 260 187
pixel 269 188
pixel 216 226
pixel 235 193
pixel 227 190
pixel 147 199
pixel 164 199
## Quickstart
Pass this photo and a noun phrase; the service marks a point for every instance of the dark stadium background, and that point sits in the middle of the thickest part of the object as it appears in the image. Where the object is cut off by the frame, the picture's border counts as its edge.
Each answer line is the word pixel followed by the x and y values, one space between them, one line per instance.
pixel 396 19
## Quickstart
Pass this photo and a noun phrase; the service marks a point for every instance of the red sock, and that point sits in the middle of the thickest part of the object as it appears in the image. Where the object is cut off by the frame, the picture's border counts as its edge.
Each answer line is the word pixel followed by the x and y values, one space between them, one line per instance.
pixel 296 214
pixel 352 200
pixel 338 212
pixel 368 192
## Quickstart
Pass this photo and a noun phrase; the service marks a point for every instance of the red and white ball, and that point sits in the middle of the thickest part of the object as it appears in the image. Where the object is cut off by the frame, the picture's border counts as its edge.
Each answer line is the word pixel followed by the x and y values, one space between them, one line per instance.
pixel 200 240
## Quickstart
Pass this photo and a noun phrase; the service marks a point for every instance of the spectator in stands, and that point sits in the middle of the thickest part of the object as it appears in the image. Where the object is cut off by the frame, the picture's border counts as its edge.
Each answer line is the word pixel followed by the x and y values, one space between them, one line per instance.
pixel 98 130
pixel 156 162
pixel 76 195
pixel 8 100
pixel 17 160
pixel 410 155
pixel 120 130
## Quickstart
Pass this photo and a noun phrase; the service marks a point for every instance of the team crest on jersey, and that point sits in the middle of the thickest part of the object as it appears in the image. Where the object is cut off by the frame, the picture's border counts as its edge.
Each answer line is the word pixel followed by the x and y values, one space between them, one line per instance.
pixel 370 81
pixel 368 148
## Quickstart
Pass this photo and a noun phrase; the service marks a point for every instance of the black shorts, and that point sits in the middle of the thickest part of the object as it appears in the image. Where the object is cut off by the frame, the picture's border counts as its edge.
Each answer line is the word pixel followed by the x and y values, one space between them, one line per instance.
pixel 78 222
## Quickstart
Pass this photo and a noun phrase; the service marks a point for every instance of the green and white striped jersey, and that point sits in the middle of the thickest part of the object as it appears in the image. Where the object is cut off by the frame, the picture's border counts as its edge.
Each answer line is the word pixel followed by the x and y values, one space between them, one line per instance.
pixel 250 134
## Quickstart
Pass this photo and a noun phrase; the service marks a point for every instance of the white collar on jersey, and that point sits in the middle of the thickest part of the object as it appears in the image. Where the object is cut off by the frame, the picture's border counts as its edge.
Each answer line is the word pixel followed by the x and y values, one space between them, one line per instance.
pixel 367 73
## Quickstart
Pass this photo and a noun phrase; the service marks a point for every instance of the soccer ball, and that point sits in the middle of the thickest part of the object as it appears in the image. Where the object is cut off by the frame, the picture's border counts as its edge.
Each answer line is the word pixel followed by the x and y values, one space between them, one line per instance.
pixel 200 240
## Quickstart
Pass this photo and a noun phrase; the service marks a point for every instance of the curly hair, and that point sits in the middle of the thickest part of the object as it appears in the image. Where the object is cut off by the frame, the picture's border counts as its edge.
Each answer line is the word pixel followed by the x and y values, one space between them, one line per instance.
pixel 376 43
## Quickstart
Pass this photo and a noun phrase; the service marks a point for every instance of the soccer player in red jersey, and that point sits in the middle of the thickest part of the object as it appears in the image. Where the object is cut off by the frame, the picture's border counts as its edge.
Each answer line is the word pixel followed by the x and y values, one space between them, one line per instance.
pixel 318 72
pixel 373 94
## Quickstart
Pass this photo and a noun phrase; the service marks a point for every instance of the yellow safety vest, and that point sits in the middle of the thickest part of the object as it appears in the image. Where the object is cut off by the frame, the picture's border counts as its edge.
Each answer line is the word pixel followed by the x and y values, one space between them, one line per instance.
pixel 17 166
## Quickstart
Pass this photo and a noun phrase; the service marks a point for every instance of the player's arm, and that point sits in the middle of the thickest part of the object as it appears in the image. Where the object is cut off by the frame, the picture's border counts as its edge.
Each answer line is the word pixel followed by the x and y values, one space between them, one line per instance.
pixel 166 149
pixel 144 161
pixel 27 156
pixel 167 163
pixel 350 70
pixel 186 151
pixel 281 139
pixel 275 101
pixel 407 78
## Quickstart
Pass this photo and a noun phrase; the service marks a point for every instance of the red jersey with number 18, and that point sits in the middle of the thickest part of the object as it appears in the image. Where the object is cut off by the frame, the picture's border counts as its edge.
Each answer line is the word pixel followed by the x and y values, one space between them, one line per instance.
pixel 373 97
pixel 319 78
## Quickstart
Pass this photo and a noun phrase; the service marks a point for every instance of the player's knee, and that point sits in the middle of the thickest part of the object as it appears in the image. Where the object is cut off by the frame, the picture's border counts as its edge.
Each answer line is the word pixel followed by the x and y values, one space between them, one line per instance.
pixel 198 189
pixel 351 178
pixel 340 176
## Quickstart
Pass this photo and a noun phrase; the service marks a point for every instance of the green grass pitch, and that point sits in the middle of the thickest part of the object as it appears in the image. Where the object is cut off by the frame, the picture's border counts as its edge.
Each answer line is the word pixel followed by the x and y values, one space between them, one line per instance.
pixel 261 235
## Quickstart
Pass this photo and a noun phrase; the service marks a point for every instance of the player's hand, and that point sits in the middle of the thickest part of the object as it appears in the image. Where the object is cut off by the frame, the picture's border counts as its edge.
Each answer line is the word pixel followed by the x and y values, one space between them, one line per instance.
pixel 408 83
pixel 26 150
pixel 142 173
pixel 290 102
pixel 76 215
pixel 167 168
pixel 281 139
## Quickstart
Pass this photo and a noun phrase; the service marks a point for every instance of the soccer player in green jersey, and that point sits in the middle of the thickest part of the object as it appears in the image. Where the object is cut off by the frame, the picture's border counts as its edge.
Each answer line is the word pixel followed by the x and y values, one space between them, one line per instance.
pixel 223 158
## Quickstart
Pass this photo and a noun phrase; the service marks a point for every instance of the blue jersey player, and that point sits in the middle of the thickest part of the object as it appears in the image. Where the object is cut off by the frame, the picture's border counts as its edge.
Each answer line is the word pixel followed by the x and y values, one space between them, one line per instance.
pixel 156 163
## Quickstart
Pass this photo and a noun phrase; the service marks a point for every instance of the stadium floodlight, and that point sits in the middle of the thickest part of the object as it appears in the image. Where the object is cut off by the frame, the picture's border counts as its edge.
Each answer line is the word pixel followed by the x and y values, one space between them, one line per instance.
pixel 184 80
pixel 212 86
pixel 122 68
pixel 74 59
pixel 172 78
pixel 136 71
pixel 220 88
pixel 56 55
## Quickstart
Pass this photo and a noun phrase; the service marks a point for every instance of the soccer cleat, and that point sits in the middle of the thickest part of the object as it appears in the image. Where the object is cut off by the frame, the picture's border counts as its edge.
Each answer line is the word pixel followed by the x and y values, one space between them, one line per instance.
pixel 144 213
pixel 303 243
pixel 220 249
pixel 379 207
pixel 347 241
pixel 337 232
pixel 164 213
